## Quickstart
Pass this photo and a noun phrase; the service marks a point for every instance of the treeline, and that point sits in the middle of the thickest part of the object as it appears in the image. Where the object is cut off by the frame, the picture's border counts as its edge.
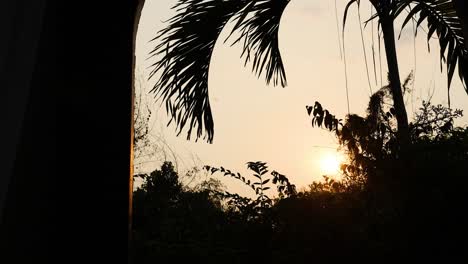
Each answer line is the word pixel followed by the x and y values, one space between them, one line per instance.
pixel 390 203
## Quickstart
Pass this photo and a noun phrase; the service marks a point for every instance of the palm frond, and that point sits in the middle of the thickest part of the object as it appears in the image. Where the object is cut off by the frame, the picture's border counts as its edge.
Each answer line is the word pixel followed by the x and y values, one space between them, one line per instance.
pixel 258 25
pixel 441 19
pixel 185 47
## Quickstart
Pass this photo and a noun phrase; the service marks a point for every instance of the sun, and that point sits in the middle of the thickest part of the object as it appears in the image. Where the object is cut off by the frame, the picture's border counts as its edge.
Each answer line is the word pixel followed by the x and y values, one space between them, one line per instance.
pixel 330 163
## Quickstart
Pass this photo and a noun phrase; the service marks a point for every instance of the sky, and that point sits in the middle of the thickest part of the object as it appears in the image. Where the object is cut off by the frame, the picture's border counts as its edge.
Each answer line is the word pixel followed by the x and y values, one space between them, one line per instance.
pixel 256 122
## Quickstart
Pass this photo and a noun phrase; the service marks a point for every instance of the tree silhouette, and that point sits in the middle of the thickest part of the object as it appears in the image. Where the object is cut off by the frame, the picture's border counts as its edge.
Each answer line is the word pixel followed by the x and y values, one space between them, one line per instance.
pixel 441 19
pixel 363 215
pixel 185 48
pixel 169 221
pixel 422 209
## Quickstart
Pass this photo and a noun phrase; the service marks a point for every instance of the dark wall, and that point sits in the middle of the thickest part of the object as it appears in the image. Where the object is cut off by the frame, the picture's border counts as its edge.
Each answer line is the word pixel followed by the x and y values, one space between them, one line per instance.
pixel 68 195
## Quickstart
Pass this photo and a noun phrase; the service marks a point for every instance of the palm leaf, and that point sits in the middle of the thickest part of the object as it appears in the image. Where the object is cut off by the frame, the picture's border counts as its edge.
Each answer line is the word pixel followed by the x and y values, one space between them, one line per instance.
pixel 442 20
pixel 185 47
pixel 259 24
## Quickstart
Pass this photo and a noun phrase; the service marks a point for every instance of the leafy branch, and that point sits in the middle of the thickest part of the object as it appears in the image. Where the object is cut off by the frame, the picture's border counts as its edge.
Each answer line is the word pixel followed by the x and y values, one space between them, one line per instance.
pixel 259 185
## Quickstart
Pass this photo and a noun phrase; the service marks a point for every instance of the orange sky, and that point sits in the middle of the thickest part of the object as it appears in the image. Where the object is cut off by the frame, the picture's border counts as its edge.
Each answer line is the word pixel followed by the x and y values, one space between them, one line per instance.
pixel 257 122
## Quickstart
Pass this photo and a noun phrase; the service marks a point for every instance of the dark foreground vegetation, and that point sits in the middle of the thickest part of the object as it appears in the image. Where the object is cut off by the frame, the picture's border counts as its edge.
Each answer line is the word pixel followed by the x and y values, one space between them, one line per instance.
pixel 392 202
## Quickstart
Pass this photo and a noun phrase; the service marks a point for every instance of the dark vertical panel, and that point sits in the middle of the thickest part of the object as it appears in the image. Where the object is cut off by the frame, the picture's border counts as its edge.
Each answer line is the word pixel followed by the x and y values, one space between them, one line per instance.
pixel 26 222
pixel 68 198
pixel 93 125
pixel 20 29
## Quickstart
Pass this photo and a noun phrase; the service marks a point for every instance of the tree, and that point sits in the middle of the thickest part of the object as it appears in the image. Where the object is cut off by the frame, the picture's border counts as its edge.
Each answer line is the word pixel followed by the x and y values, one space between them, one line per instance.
pixel 173 222
pixel 187 43
pixel 396 205
pixel 441 18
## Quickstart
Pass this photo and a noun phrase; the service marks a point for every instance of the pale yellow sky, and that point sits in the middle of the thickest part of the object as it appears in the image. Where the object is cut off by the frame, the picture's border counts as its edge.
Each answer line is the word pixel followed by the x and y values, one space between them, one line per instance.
pixel 254 121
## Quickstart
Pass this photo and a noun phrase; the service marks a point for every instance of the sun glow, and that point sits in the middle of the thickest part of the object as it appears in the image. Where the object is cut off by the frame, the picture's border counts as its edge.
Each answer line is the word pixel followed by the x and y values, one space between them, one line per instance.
pixel 330 163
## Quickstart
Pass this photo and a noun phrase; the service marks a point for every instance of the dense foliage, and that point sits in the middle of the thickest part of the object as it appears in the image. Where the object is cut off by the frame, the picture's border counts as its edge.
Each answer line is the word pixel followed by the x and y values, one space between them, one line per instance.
pixel 386 203
pixel 414 195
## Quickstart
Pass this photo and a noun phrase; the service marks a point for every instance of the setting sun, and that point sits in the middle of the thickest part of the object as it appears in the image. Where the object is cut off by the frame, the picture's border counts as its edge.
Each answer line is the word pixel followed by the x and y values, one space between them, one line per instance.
pixel 330 163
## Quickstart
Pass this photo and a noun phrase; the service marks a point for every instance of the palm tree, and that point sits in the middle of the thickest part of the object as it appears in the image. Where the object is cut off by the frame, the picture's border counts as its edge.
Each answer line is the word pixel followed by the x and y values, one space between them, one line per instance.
pixel 441 19
pixel 187 43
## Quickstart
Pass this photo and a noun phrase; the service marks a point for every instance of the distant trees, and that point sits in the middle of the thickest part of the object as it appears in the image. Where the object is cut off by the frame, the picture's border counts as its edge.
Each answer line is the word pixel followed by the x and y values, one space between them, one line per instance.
pixel 209 224
pixel 170 223
pixel 367 214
